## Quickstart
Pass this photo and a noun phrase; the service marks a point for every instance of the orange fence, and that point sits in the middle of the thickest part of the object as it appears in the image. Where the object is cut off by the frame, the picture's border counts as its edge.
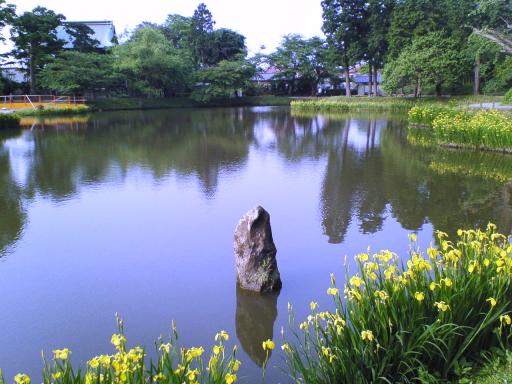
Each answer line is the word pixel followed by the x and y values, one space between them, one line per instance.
pixel 37 101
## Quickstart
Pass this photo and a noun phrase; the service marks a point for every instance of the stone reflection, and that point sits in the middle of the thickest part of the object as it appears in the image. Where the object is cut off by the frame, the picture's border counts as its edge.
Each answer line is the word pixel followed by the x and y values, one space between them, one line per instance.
pixel 12 214
pixel 255 317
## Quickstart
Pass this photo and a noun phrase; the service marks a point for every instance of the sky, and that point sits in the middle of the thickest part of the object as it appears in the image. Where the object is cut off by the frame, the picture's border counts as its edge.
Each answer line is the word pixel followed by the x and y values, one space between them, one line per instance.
pixel 262 22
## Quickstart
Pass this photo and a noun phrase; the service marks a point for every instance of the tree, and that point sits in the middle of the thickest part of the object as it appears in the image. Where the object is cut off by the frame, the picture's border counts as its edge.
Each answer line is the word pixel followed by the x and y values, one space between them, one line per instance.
pixel 495 23
pixel 178 31
pixel 77 73
pixel 378 19
pixel 223 81
pixel 7 14
pixel 82 39
pixel 35 40
pixel 300 60
pixel 200 33
pixel 226 45
pixel 344 26
pixel 152 66
pixel 432 59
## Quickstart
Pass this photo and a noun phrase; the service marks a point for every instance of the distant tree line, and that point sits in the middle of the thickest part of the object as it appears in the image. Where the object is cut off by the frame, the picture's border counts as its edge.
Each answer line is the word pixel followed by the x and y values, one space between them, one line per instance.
pixel 419 46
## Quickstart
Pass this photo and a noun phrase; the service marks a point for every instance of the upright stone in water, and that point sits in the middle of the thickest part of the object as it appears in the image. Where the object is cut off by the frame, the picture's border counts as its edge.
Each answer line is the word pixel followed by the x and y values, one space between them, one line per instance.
pixel 255 253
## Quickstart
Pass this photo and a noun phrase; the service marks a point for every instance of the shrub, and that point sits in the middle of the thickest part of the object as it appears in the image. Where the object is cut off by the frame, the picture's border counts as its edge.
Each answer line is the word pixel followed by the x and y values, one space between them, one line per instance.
pixel 426 320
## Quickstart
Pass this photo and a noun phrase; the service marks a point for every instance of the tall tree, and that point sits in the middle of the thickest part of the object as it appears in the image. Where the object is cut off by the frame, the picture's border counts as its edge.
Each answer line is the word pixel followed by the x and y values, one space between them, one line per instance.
pixel 300 61
pixel 200 34
pixel 344 25
pixel 35 40
pixel 82 39
pixel 152 66
pixel 7 14
pixel 226 45
pixel 431 60
pixel 378 19
pixel 77 73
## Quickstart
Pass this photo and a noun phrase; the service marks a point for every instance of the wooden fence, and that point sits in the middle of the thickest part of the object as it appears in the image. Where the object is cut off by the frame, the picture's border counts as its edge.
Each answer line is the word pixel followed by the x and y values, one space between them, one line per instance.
pixel 39 101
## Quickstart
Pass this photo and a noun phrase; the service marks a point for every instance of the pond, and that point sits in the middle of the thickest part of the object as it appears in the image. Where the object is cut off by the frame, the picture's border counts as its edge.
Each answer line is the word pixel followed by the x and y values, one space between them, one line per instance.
pixel 134 213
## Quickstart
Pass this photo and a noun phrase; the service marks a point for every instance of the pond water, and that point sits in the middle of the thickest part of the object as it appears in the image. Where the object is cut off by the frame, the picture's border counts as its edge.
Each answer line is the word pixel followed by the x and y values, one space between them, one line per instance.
pixel 134 212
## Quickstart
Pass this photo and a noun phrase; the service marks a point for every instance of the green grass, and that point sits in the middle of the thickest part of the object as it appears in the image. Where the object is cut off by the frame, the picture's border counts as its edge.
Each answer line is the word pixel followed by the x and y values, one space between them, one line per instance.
pixel 111 104
pixel 426 320
pixel 79 109
pixel 359 103
pixel 497 371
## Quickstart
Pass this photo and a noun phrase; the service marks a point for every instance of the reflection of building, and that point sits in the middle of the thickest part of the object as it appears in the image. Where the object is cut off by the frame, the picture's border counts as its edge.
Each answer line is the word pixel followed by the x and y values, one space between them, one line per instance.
pixel 104 32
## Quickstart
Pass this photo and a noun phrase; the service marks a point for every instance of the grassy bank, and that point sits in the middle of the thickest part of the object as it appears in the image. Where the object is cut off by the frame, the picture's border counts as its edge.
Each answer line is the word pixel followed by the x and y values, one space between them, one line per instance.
pixel 75 110
pixel 361 103
pixel 483 129
pixel 112 104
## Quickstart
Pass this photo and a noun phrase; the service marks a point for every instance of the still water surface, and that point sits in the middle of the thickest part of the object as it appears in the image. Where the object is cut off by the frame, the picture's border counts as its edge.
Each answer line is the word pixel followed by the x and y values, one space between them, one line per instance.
pixel 134 212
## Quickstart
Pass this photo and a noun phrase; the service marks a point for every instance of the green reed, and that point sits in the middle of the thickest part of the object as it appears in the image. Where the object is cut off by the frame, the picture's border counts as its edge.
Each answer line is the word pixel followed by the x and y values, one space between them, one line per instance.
pixel 424 320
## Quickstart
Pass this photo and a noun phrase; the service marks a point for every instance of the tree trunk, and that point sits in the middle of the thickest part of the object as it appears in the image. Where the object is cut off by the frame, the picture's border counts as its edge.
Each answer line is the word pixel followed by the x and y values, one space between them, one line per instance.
pixel 376 81
pixel 32 71
pixel 347 82
pixel 477 75
pixel 439 92
pixel 370 80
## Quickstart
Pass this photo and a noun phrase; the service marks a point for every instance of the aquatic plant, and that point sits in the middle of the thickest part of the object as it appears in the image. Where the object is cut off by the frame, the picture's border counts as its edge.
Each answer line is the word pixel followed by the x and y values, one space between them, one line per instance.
pixel 482 129
pixel 344 104
pixel 426 319
pixel 174 364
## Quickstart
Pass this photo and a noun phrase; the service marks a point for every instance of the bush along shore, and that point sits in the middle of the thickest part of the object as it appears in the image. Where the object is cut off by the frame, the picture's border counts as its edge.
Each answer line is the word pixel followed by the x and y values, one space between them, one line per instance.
pixel 429 319
pixel 432 318
pixel 489 130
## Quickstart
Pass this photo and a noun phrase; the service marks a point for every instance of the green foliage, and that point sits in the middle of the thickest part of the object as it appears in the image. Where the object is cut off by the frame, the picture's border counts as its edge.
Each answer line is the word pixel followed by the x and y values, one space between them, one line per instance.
pixel 496 371
pixel 301 62
pixel 508 97
pixel 151 65
pixel 35 40
pixel 457 301
pixel 73 73
pixel 9 121
pixel 501 78
pixel 81 37
pixel 343 104
pixel 223 81
pixel 430 60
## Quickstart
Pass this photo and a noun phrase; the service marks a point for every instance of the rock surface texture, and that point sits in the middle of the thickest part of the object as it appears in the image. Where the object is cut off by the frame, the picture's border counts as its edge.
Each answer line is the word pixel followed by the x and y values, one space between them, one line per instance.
pixel 255 253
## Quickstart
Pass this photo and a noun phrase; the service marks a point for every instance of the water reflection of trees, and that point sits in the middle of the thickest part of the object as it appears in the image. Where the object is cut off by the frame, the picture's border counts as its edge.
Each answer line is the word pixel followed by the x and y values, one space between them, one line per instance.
pixel 12 214
pixel 371 172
